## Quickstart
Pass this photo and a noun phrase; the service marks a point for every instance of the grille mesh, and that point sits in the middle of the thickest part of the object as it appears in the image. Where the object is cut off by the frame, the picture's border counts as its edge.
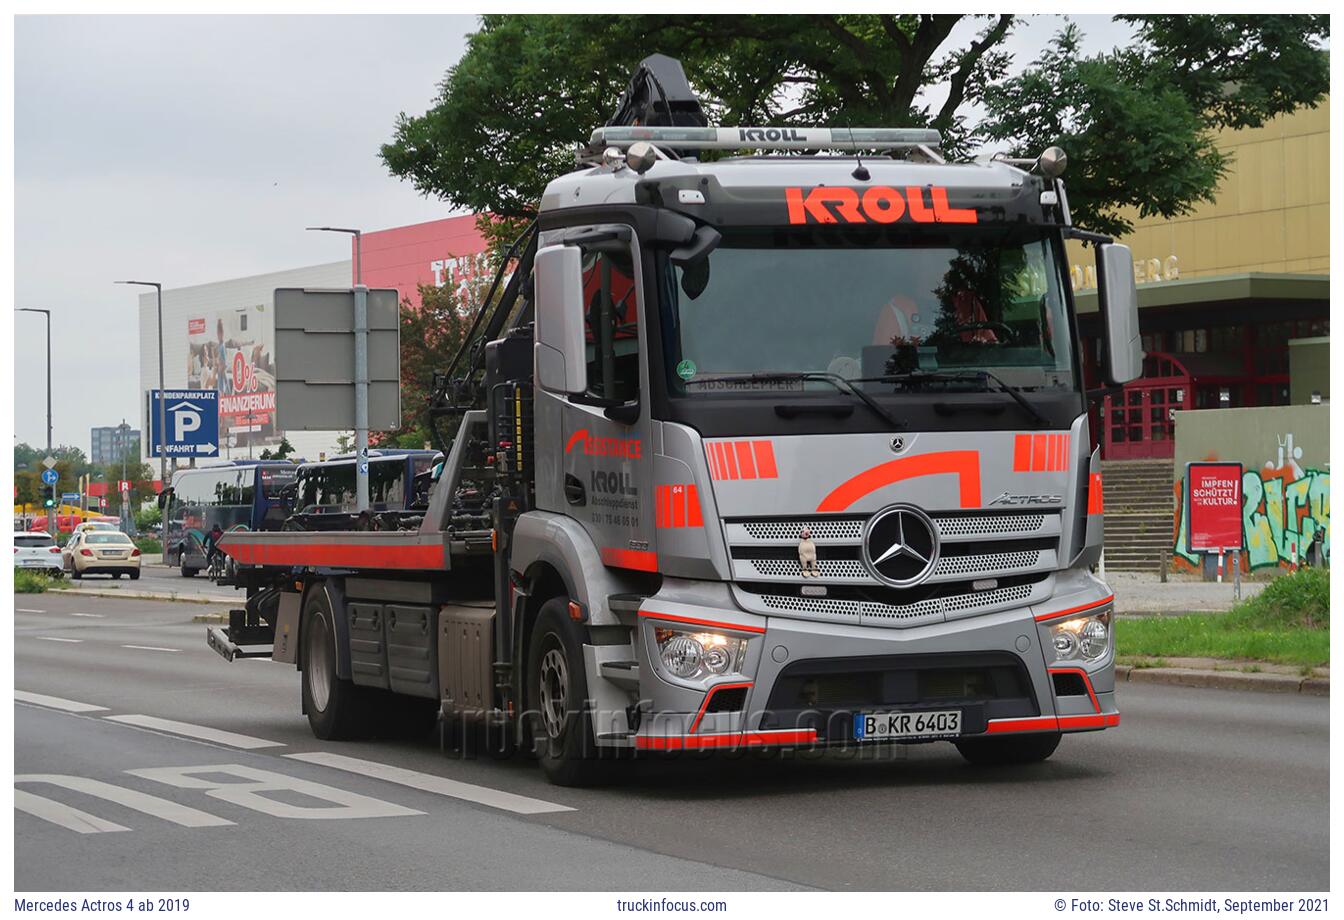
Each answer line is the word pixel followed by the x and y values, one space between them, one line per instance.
pixel 890 614
pixel 792 568
pixel 789 530
pixel 986 598
pixel 984 565
pixel 976 525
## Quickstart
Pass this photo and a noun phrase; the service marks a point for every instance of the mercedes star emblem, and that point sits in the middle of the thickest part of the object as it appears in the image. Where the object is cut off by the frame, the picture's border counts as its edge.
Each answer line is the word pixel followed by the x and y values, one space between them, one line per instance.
pixel 898 444
pixel 900 546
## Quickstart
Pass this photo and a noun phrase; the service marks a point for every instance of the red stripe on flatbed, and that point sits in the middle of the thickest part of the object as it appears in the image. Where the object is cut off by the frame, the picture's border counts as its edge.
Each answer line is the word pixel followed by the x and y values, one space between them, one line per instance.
pixel 352 555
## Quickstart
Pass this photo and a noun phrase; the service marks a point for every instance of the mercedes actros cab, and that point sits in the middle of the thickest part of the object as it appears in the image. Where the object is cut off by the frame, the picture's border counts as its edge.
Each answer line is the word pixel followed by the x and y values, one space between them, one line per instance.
pixel 747 451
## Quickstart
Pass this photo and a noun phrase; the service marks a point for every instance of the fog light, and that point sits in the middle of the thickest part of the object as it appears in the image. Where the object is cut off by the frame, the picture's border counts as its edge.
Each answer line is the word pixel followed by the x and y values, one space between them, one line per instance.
pixel 1065 645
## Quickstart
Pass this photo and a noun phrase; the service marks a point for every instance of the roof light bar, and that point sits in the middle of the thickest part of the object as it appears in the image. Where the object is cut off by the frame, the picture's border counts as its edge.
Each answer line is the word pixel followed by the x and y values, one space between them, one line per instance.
pixel 691 138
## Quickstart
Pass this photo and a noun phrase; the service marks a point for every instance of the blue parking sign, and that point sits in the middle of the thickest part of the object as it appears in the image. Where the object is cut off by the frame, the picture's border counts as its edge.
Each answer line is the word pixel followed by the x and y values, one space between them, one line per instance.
pixel 192 423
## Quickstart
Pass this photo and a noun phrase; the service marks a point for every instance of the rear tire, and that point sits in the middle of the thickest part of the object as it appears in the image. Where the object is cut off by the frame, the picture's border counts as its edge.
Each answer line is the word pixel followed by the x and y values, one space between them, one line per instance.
pixel 1006 751
pixel 116 576
pixel 186 572
pixel 557 717
pixel 337 709
pixel 75 574
pixel 135 576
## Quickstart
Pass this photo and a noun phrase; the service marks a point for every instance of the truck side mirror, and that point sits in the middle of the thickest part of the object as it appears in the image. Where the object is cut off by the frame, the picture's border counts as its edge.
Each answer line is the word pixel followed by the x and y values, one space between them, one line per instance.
pixel 1118 299
pixel 561 364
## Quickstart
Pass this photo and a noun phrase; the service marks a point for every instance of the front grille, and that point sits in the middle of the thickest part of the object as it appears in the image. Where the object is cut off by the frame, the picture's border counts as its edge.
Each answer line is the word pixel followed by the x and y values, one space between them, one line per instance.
pixel 1012 550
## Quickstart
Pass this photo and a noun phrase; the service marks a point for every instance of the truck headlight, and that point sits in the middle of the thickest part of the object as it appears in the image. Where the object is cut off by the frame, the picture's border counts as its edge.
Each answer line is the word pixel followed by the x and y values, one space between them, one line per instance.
pixel 697 655
pixel 1088 637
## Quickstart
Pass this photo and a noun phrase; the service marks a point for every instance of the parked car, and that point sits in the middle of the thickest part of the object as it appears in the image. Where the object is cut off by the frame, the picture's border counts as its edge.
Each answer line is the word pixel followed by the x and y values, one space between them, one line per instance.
pixel 37 551
pixel 102 552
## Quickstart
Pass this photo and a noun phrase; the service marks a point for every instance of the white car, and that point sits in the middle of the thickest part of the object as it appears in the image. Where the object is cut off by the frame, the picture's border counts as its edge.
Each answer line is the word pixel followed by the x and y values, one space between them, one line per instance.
pixel 37 551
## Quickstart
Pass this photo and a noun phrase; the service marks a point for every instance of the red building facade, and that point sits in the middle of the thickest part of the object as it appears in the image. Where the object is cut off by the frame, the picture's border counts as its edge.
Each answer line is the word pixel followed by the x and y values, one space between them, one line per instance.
pixel 437 252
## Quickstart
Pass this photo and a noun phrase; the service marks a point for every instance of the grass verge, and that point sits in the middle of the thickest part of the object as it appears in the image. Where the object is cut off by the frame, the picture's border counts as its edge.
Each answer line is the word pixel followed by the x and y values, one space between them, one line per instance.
pixel 1287 623
pixel 27 581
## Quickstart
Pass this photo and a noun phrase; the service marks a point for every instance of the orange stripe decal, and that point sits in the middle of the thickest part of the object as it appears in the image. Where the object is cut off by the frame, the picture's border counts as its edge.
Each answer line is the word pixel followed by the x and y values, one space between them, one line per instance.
pixel 765 459
pixel 729 740
pixel 638 559
pixel 965 464
pixel 678 498
pixel 367 555
pixel 709 696
pixel 1094 494
pixel 696 621
pixel 1039 445
pixel 693 518
pixel 1034 724
pixel 741 460
pixel 1087 682
pixel 744 462
pixel 1079 609
pixel 729 459
pixel 1022 453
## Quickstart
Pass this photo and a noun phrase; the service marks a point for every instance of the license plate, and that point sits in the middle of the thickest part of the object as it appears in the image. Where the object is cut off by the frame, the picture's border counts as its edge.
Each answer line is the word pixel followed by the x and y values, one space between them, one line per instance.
pixel 887 726
pixel 112 554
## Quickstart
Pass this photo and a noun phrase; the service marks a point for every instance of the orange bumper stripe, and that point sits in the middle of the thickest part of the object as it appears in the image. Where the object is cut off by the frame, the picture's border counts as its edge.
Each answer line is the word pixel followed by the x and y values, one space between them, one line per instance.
pixel 727 740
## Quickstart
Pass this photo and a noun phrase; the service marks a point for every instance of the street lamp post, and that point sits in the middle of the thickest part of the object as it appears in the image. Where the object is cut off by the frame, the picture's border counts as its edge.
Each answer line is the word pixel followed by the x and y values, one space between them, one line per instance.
pixel 163 421
pixel 51 512
pixel 361 371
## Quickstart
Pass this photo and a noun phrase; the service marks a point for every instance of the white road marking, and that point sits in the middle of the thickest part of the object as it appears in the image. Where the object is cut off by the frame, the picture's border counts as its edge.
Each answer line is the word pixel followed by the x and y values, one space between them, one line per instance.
pixel 246 742
pixel 57 639
pixel 63 815
pixel 55 702
pixel 341 804
pixel 427 782
pixel 140 801
pixel 27 610
pixel 152 648
pixel 98 616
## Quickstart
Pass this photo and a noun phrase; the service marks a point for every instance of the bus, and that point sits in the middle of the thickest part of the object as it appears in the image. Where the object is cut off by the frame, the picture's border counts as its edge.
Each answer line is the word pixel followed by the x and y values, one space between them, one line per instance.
pixel 236 495
pixel 324 492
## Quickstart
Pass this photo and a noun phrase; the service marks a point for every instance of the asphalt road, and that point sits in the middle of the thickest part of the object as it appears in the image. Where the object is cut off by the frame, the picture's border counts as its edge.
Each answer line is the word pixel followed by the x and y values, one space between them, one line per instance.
pixel 161 579
pixel 1198 789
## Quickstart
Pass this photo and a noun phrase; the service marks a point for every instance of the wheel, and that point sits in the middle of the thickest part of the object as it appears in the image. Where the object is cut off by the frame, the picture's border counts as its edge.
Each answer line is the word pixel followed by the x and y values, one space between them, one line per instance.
pixel 186 572
pixel 75 574
pixel 337 709
pixel 1001 751
pixel 557 701
pixel 116 576
pixel 135 576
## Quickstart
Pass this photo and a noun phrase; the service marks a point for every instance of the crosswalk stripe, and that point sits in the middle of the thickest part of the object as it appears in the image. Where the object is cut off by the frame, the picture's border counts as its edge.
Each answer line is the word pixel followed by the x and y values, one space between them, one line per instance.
pixel 204 733
pixel 56 702
pixel 427 782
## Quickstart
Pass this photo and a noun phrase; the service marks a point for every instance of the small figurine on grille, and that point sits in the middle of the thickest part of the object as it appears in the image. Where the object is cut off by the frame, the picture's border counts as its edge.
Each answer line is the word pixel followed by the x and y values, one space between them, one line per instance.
pixel 807 554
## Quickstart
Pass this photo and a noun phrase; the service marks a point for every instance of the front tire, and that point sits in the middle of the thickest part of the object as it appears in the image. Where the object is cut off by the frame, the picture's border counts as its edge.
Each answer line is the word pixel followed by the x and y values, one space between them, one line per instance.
pixel 1006 751
pixel 337 709
pixel 186 572
pixel 557 700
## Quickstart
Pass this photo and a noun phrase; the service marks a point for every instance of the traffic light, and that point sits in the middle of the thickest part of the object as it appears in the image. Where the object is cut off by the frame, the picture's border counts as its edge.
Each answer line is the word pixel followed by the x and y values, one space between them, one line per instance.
pixel 50 502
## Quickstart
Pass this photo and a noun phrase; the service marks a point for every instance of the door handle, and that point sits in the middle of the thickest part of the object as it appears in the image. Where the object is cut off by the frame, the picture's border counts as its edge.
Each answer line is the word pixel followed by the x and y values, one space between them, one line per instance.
pixel 575 494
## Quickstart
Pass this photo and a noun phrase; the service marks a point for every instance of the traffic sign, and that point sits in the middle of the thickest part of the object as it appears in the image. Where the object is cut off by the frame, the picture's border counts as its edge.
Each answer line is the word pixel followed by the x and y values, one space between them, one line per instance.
pixel 49 462
pixel 50 477
pixel 192 418
pixel 123 485
pixel 69 498
pixel 102 502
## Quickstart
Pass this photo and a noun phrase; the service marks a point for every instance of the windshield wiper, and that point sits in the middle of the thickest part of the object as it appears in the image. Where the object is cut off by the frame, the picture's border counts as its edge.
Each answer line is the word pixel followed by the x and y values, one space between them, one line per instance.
pixel 840 383
pixel 979 376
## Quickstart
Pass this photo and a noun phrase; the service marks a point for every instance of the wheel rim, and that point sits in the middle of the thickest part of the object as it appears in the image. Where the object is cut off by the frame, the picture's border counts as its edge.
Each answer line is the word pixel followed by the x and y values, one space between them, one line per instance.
pixel 319 669
pixel 554 691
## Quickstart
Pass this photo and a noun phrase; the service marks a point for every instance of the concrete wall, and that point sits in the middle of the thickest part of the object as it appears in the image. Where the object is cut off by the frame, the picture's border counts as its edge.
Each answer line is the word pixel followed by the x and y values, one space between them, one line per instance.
pixel 1285 455
pixel 1308 369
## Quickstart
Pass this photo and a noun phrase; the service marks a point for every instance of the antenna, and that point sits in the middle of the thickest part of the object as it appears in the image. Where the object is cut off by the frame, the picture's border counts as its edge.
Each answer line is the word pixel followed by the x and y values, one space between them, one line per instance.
pixel 860 171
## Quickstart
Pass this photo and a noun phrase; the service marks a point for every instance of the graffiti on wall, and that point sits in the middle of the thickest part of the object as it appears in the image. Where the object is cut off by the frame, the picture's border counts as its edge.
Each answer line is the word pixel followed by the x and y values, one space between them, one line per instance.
pixel 1283 507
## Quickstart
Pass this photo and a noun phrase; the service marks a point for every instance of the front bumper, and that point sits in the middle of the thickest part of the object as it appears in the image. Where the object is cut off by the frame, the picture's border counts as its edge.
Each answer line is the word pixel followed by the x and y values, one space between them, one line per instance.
pixel 805 681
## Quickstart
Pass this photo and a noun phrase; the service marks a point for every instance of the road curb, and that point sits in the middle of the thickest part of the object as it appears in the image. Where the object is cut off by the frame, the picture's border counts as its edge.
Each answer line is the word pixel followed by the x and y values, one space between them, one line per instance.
pixel 145 596
pixel 1224 680
pixel 210 618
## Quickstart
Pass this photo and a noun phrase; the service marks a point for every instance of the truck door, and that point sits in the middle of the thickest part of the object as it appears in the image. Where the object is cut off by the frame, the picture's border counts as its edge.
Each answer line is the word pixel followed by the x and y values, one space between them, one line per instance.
pixel 607 462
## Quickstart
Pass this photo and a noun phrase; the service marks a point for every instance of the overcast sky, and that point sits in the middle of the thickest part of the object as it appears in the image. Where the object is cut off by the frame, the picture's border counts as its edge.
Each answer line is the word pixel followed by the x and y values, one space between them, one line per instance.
pixel 195 149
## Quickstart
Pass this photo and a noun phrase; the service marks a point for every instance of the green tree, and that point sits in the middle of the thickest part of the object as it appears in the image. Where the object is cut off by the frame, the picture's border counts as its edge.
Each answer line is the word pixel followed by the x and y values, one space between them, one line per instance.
pixel 430 335
pixel 282 451
pixel 529 89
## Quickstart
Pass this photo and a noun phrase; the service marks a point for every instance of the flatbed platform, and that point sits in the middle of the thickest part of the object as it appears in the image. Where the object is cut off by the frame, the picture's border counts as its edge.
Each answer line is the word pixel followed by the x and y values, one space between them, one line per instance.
pixel 394 550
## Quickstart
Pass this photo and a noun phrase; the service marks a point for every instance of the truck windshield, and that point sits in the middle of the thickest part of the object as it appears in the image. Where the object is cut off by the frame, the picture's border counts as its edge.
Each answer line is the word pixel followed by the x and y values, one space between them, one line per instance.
pixel 883 308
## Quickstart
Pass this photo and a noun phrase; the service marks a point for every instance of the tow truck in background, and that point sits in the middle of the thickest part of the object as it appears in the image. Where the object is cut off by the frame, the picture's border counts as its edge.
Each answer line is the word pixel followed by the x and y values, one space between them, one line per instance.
pixel 757 451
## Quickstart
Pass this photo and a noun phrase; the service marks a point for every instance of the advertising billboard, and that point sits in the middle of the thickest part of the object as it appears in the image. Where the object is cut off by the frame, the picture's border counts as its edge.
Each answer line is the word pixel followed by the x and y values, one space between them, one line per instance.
pixel 231 350
pixel 1213 506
